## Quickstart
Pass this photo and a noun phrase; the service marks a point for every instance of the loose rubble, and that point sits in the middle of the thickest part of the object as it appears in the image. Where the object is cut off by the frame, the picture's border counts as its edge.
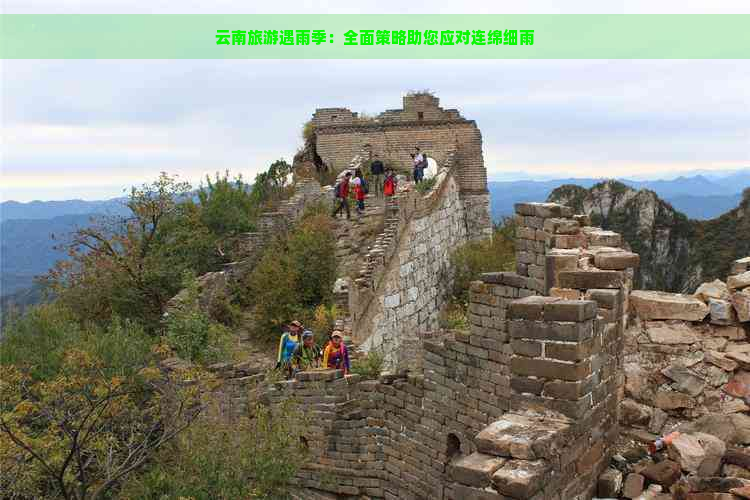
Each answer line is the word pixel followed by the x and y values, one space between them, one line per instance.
pixel 687 376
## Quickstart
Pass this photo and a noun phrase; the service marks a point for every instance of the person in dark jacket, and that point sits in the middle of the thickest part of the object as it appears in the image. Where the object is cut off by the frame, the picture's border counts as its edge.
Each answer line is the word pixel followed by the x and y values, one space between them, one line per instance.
pixel 342 196
pixel 377 170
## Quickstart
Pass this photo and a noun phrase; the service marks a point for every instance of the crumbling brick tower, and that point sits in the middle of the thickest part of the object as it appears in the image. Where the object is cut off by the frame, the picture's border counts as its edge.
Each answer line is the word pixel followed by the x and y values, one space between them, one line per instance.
pixel 341 134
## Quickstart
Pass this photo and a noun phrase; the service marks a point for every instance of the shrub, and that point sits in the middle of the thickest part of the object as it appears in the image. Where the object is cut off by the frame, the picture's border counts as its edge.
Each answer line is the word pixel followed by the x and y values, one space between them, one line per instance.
pixel 37 342
pixel 226 206
pixel 426 185
pixel 454 317
pixel 191 334
pixel 323 321
pixel 477 257
pixel 369 366
pixel 294 276
pixel 80 433
pixel 308 132
pixel 252 457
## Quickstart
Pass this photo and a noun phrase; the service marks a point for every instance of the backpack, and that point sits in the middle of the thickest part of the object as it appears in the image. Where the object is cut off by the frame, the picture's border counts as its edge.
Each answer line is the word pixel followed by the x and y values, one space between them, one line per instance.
pixel 365 186
pixel 337 190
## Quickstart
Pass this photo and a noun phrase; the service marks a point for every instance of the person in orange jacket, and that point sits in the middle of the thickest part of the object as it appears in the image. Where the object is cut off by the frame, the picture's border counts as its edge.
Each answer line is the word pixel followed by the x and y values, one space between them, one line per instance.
pixel 335 354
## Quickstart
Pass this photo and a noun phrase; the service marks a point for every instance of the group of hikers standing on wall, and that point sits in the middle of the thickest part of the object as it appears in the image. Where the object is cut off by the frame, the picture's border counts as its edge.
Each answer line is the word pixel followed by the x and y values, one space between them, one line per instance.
pixel 384 179
pixel 298 351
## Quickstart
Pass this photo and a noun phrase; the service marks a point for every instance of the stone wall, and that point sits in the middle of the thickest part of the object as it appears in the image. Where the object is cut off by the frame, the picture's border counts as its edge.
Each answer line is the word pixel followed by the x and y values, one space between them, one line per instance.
pixel 402 291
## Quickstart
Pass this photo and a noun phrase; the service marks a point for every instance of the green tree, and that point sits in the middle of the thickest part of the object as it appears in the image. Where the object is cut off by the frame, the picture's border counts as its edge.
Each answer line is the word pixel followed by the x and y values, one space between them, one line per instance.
pixel 78 432
pixel 294 276
pixel 226 206
pixel 116 266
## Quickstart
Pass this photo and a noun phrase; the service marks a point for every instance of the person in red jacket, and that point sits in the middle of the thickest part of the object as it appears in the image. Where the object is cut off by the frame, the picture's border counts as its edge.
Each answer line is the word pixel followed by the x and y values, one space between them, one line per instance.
pixel 342 196
pixel 359 191
pixel 389 186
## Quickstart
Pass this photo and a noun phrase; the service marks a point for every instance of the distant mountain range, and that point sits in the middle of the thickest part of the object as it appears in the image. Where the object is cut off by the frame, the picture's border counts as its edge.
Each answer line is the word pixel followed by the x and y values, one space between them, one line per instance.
pixel 26 247
pixel 699 196
pixel 10 210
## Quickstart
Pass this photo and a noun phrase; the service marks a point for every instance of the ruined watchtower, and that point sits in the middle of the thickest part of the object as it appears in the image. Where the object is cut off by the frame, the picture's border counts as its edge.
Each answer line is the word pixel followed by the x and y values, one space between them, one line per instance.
pixel 341 134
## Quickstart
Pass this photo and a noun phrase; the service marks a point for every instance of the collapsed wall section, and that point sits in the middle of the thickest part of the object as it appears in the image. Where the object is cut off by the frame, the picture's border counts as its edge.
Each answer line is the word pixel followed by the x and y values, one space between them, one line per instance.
pixel 687 361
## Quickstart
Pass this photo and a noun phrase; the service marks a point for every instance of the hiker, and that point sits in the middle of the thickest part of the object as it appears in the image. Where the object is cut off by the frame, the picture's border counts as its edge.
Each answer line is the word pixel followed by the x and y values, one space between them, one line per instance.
pixel 418 165
pixel 360 191
pixel 335 354
pixel 306 355
pixel 376 171
pixel 341 191
pixel 389 184
pixel 287 343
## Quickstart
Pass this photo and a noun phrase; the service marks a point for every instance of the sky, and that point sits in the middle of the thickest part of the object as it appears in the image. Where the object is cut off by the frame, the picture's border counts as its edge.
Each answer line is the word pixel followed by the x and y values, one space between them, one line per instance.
pixel 91 128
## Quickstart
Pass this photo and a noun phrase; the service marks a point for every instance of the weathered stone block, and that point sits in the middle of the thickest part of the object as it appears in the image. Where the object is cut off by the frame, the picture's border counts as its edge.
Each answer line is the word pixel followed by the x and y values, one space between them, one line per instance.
pixel 602 238
pixel 319 375
pixel 562 226
pixel 739 281
pixel 650 305
pixel 741 303
pixel 672 400
pixel 544 330
pixel 671 333
pixel 521 478
pixel 567 241
pixel 633 486
pixel 527 385
pixel 609 484
pixel 590 279
pixel 543 210
pixel 569 351
pixel 529 307
pixel 569 310
pixel 715 289
pixel 528 348
pixel 569 391
pixel 550 369
pixel 504 278
pixel 739 266
pixel 605 298
pixel 616 260
pixel 565 293
pixel 722 312
pixel 475 469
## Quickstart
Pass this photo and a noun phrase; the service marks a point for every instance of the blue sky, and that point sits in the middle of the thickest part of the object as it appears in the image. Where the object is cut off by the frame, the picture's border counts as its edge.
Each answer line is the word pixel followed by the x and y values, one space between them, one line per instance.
pixel 88 129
